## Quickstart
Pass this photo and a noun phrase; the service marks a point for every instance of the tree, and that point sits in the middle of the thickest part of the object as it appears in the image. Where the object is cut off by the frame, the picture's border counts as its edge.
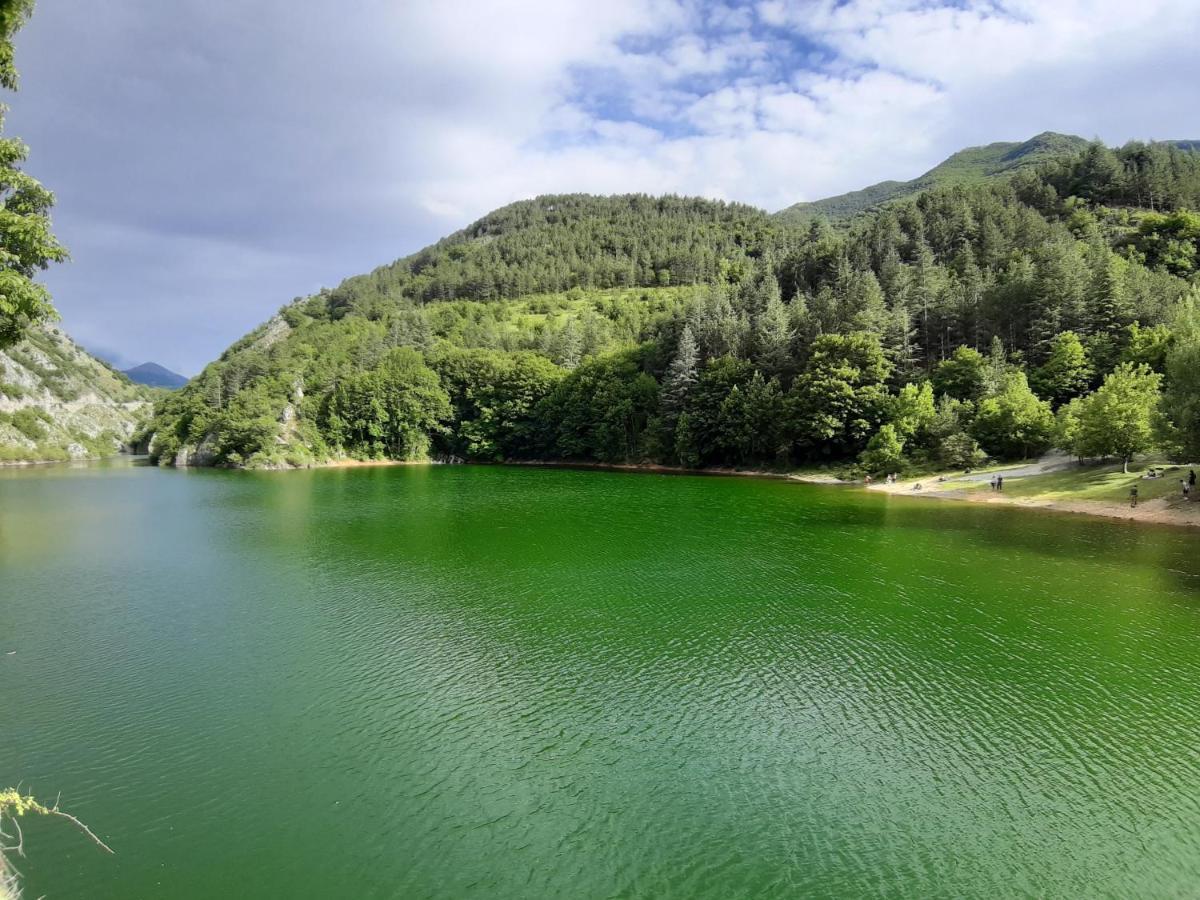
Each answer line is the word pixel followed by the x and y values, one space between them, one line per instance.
pixel 885 451
pixel 773 337
pixel 15 805
pixel 1066 372
pixel 1171 241
pixel 1183 375
pixel 913 410
pixel 681 374
pixel 570 345
pixel 388 411
pixel 1014 423
pixel 840 398
pixel 27 244
pixel 1121 417
pixel 717 410
pixel 1151 346
pixel 996 369
pixel 685 452
pixel 961 451
pixel 963 376
pixel 1067 434
pixel 600 410
pixel 494 396
pixel 763 415
pixel 951 416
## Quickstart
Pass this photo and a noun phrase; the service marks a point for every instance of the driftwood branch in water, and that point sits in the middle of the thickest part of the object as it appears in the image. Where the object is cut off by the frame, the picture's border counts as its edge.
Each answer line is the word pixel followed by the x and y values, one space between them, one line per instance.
pixel 55 811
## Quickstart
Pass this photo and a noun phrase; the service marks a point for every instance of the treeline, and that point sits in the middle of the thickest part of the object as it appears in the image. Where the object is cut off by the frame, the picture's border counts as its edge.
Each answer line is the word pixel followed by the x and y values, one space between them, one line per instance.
pixel 993 320
pixel 1161 176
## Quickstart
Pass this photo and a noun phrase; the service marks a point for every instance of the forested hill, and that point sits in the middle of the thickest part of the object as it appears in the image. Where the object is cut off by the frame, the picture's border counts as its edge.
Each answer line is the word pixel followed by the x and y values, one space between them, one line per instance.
pixel 995 318
pixel 553 243
pixel 970 166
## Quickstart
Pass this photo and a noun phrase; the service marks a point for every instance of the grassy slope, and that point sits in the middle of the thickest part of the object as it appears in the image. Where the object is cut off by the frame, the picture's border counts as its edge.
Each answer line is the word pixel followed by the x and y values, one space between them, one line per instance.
pixel 1097 484
pixel 1096 489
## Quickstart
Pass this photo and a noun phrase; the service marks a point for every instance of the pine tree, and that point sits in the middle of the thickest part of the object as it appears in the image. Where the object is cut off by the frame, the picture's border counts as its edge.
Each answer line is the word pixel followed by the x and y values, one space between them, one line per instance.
pixel 685 451
pixel 682 374
pixel 773 335
pixel 1107 301
pixel 865 304
pixel 996 370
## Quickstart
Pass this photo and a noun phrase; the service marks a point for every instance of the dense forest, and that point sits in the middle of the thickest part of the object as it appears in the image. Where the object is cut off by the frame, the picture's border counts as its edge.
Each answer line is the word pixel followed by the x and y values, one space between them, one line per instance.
pixel 1056 306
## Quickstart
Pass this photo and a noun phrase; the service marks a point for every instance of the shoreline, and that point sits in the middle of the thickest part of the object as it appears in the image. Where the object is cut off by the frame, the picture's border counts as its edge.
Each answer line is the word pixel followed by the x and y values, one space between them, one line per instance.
pixel 1148 512
pixel 660 469
pixel 361 464
pixel 29 463
pixel 1158 511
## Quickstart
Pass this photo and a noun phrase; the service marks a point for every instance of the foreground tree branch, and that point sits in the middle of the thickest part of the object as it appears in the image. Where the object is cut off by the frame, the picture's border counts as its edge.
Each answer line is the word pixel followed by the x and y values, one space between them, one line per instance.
pixel 13 805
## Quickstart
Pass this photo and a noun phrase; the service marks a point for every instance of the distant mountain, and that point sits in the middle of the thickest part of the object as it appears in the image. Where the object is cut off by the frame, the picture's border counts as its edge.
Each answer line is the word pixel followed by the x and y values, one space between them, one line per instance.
pixel 59 402
pixel 969 166
pixel 153 375
pixel 965 167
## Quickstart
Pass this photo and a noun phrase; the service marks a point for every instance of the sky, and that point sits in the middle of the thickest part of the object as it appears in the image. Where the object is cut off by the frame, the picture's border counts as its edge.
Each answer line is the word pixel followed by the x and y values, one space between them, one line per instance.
pixel 215 159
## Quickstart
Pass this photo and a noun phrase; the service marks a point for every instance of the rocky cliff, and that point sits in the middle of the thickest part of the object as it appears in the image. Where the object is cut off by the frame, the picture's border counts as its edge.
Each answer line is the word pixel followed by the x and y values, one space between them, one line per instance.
pixel 59 402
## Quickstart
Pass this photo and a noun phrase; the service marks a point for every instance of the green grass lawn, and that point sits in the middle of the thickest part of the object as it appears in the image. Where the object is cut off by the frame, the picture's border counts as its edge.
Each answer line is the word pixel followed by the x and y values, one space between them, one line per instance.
pixel 1105 483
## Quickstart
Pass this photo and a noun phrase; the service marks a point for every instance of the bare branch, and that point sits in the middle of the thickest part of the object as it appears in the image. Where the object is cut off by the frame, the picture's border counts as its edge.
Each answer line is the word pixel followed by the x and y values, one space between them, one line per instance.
pixel 55 811
pixel 20 848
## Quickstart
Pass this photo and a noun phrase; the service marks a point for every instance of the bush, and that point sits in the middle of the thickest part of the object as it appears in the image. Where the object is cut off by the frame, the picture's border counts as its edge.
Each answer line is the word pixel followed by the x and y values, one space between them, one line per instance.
pixel 31 422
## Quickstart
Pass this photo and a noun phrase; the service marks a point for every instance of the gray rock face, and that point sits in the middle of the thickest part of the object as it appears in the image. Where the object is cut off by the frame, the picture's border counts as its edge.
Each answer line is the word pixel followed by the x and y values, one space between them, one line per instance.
pixel 203 454
pixel 59 402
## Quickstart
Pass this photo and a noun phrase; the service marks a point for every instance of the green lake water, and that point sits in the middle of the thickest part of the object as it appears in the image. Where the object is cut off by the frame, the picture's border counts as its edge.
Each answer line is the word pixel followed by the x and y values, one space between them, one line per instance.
pixel 526 683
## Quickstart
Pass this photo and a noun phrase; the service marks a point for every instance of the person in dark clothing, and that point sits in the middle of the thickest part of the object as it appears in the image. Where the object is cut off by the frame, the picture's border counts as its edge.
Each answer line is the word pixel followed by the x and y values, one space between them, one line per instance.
pixel 1133 496
pixel 1000 483
pixel 1192 478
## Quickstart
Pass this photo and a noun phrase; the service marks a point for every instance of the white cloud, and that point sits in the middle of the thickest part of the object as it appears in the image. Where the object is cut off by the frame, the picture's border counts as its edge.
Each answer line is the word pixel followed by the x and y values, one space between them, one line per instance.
pixel 902 84
pixel 324 141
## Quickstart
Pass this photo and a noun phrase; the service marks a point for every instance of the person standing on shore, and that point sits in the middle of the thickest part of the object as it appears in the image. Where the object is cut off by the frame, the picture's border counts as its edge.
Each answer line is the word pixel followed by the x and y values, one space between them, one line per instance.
pixel 1133 497
pixel 1000 484
pixel 993 482
pixel 1192 478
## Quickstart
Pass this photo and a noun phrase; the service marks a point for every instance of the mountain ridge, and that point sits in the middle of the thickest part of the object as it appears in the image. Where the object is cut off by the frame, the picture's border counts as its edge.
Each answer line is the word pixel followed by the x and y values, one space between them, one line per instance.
pixel 969 164
pixel 152 374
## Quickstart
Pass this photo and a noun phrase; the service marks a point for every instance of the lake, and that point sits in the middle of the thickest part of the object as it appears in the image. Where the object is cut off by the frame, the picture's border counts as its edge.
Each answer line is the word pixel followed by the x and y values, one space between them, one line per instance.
pixel 517 682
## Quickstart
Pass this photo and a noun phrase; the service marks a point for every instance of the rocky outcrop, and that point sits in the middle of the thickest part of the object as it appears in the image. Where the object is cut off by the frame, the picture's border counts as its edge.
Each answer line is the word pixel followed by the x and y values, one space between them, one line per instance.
pixel 58 402
pixel 203 454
